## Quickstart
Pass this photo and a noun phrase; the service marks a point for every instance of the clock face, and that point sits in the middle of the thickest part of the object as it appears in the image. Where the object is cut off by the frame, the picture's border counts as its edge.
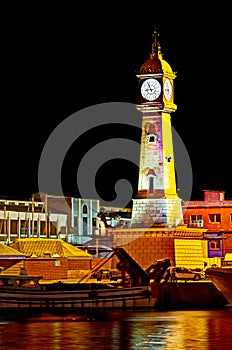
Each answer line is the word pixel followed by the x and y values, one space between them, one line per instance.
pixel 151 89
pixel 167 89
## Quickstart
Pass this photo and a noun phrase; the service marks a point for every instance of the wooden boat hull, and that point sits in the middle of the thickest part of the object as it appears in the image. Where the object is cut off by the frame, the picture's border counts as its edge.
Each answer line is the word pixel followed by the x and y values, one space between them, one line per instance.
pixel 112 298
pixel 102 300
pixel 222 279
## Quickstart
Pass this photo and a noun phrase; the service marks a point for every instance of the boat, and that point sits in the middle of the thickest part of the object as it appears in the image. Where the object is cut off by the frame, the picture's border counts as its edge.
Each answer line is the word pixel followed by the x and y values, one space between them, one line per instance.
pixel 222 279
pixel 28 292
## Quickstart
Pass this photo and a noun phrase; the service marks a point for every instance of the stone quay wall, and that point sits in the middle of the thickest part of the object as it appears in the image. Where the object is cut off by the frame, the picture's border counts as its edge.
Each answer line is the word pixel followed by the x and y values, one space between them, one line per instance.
pixel 146 247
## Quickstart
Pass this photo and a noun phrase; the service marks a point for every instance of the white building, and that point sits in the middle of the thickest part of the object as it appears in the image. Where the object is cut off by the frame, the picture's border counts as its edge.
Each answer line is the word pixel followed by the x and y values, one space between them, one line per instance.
pixel 82 215
pixel 25 219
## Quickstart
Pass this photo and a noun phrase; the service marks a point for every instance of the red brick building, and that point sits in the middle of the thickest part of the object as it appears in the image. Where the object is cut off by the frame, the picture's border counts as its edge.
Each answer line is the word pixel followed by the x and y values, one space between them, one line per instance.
pixel 52 258
pixel 214 213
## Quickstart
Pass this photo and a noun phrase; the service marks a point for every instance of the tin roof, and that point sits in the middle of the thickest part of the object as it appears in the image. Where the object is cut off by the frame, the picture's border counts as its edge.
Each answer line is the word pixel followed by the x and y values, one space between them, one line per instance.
pixel 9 256
pixel 8 251
pixel 42 247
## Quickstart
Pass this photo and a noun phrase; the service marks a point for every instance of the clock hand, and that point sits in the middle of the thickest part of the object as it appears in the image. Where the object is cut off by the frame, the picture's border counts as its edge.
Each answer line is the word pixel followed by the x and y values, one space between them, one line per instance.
pixel 149 87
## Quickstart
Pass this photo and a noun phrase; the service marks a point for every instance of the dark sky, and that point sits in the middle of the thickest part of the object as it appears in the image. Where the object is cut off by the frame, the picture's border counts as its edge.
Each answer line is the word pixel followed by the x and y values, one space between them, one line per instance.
pixel 49 56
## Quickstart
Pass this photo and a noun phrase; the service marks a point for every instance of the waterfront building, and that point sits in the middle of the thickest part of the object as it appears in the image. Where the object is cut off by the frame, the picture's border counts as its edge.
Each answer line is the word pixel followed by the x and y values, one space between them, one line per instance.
pixel 44 257
pixel 213 213
pixel 74 220
pixel 52 258
pixel 82 215
pixel 28 218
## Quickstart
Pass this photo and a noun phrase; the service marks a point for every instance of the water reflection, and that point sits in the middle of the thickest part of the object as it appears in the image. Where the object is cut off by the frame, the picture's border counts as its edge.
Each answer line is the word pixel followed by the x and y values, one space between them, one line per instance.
pixel 175 330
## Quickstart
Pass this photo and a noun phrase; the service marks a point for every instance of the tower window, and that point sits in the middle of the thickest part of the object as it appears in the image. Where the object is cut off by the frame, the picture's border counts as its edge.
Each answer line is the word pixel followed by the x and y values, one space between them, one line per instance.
pixel 151 180
pixel 151 184
pixel 152 138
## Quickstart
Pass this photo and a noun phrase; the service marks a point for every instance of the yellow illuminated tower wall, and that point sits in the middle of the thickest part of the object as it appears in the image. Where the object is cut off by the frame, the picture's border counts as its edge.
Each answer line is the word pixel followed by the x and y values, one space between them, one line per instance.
pixel 157 202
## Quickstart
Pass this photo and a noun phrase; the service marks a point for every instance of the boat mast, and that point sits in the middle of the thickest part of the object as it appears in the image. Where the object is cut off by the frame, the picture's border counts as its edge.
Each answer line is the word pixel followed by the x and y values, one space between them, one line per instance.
pixel 32 216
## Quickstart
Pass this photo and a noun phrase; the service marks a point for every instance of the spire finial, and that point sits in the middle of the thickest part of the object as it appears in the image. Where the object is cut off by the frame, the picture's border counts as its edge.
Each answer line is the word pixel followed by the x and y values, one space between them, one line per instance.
pixel 155 44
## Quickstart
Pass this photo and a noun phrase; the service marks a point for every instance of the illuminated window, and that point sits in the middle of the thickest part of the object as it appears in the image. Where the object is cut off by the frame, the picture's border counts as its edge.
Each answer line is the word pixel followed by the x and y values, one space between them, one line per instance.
pixel 230 217
pixel 195 218
pixel 215 218
pixel 214 245
pixel 84 209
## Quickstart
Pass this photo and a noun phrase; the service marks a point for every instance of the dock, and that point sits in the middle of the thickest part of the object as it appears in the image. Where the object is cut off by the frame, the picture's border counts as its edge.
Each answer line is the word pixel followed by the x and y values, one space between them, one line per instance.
pixel 189 295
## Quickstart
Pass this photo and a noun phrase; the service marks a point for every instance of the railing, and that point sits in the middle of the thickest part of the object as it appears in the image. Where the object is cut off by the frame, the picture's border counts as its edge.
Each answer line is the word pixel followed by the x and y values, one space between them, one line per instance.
pixel 196 223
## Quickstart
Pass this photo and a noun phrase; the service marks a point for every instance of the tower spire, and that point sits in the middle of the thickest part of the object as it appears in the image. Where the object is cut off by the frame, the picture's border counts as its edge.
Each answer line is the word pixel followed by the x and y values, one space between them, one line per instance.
pixel 155 44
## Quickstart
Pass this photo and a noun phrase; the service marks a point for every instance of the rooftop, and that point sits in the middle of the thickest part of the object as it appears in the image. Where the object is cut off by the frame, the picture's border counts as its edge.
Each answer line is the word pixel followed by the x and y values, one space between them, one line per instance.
pixel 45 247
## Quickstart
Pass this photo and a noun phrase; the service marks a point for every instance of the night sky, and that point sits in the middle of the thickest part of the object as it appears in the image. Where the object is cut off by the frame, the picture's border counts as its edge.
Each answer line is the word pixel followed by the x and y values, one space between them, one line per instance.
pixel 51 56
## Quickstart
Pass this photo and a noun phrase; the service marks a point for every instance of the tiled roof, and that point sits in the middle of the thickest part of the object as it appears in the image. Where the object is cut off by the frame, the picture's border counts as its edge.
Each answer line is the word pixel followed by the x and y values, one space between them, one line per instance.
pixel 6 251
pixel 40 247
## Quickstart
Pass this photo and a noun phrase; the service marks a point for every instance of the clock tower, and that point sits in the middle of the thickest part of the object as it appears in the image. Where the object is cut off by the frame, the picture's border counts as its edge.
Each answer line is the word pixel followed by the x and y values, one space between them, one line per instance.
pixel 157 202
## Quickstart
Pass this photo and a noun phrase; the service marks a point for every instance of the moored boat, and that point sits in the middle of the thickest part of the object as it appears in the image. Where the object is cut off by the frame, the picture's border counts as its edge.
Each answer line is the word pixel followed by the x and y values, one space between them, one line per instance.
pixel 222 279
pixel 29 292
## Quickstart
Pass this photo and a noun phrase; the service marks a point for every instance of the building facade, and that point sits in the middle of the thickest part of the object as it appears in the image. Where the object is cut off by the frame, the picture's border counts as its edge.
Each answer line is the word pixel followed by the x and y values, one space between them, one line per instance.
pixel 74 220
pixel 26 219
pixel 82 215
pixel 213 213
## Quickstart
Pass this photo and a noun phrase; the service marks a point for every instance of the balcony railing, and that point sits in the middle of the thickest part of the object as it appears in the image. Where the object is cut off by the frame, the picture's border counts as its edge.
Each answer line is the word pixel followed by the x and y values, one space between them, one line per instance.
pixel 195 223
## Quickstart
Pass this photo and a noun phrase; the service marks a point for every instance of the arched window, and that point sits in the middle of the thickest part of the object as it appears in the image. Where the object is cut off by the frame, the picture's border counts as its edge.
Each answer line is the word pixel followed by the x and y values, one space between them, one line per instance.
pixel 151 184
pixel 151 180
pixel 85 210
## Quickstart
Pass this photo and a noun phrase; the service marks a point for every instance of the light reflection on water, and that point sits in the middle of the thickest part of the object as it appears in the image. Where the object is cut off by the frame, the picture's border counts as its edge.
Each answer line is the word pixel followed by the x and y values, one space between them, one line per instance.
pixel 132 330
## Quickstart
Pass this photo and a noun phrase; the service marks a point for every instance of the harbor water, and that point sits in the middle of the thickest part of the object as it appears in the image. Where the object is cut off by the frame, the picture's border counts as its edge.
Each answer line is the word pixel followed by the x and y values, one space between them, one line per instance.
pixel 119 330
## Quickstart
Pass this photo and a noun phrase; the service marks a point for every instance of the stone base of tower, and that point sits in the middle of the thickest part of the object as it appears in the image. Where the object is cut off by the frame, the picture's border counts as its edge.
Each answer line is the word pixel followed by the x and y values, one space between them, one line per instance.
pixel 151 212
